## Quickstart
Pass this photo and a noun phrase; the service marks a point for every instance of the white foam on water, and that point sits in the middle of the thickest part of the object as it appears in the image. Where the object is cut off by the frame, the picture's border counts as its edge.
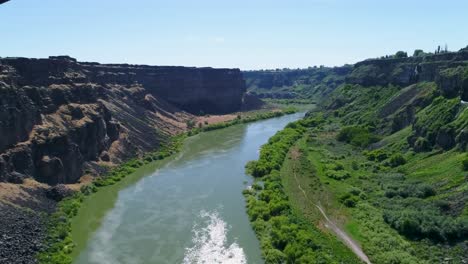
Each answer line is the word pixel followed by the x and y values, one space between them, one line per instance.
pixel 210 243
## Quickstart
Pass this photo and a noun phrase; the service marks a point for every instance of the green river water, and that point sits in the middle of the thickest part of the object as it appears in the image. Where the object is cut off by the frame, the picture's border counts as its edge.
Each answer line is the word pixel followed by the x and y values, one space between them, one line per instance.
pixel 187 209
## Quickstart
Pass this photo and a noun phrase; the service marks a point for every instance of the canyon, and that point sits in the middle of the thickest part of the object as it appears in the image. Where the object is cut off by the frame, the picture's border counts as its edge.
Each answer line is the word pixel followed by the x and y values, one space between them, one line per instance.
pixel 67 122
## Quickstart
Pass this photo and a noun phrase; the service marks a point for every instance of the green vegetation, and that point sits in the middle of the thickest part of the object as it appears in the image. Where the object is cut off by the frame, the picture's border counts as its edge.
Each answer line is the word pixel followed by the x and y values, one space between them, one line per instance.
pixel 59 242
pixel 387 159
pixel 190 123
pixel 285 236
pixel 418 53
pixel 401 54
pixel 465 163
pixel 381 205
pixel 436 118
pixel 416 224
pixel 357 136
pixel 397 160
pixel 273 153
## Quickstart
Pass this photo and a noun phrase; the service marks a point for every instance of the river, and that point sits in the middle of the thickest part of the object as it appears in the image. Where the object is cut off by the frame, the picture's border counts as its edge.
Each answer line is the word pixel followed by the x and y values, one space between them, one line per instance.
pixel 188 209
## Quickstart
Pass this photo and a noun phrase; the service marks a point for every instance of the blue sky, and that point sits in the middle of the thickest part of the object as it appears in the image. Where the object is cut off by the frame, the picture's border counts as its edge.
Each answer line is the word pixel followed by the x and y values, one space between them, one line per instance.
pixel 246 34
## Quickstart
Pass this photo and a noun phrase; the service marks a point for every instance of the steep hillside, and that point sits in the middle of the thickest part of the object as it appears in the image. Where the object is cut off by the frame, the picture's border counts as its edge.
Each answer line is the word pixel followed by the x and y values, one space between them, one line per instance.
pixel 385 157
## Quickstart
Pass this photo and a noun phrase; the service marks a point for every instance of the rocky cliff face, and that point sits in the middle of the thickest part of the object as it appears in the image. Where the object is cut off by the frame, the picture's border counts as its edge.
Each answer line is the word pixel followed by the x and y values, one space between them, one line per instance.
pixel 60 118
pixel 405 71
pixel 433 100
pixel 192 89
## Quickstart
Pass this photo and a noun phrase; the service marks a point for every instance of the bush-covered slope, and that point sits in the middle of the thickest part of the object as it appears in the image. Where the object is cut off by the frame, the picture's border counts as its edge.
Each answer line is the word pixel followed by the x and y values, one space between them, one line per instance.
pixel 389 161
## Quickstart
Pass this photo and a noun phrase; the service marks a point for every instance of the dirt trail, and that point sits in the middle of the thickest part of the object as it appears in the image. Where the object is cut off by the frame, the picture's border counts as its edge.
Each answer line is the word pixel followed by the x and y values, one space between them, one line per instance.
pixel 330 224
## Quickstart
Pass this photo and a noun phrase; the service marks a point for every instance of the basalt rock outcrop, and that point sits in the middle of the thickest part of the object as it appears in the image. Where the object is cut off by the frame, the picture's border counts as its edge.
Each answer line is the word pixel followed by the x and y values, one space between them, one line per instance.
pixel 60 118
pixel 405 71
pixel 437 84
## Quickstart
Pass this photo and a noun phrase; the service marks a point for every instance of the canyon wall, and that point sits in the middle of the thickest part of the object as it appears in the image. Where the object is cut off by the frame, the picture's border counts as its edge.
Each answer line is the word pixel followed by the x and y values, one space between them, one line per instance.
pixel 60 118
pixel 406 71
pixel 310 83
pixel 318 82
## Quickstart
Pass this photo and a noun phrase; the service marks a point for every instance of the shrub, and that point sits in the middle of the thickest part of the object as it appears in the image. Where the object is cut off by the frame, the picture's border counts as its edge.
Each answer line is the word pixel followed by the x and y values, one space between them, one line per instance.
pixel 338 175
pixel 274 152
pixel 349 200
pixel 401 54
pixel 257 186
pixel 465 164
pixel 417 224
pixel 418 53
pixel 421 144
pixel 88 189
pixel 397 160
pixel 274 256
pixel 376 155
pixel 357 136
pixel 419 190
pixel 250 166
pixel 338 166
pixel 190 123
pixel 355 191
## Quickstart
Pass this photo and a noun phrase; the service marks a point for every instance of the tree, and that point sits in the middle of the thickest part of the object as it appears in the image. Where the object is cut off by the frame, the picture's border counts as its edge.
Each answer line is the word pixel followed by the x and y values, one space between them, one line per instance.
pixel 401 54
pixel 190 123
pixel 397 160
pixel 418 53
pixel 465 164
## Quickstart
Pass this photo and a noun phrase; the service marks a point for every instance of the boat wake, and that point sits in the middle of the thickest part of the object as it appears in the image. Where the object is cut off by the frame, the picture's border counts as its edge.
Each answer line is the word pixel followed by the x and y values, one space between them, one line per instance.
pixel 210 243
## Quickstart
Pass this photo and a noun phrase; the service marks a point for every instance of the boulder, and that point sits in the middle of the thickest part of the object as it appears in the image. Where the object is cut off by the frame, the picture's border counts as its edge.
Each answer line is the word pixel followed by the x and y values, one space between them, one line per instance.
pixel 50 170
pixel 59 192
pixel 446 138
pixel 16 177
